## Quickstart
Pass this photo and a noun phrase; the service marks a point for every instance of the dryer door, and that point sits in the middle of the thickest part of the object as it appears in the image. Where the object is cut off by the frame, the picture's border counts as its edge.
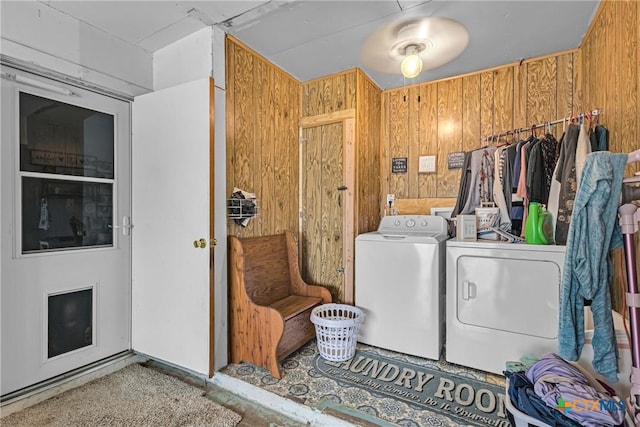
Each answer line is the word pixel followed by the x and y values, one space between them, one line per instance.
pixel 509 294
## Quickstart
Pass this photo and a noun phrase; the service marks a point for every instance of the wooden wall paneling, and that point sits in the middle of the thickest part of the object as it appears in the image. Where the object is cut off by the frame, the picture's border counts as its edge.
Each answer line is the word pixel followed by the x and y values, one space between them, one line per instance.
pixel 368 155
pixel 578 91
pixel 282 144
pixel 471 113
pixel 311 204
pixel 243 147
pixel 398 140
pixel 449 134
pixel 628 71
pixel 347 198
pixel 486 104
pixel 587 72
pixel 351 93
pixel 263 112
pixel 428 138
pixel 310 94
pixel 337 98
pixel 503 99
pixel 610 85
pixel 519 96
pixel 364 155
pixel 597 73
pixel 423 205
pixel 541 91
pixel 229 119
pixel 331 214
pixel 385 147
pixel 413 140
pixel 266 120
pixel 564 90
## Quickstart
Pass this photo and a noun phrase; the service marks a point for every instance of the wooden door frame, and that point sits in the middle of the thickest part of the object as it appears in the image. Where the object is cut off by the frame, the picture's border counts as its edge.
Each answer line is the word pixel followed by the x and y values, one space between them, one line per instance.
pixel 212 239
pixel 348 120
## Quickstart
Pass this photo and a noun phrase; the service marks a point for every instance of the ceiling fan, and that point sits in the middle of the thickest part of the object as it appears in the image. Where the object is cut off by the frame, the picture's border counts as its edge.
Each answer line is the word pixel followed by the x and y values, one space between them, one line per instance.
pixel 409 47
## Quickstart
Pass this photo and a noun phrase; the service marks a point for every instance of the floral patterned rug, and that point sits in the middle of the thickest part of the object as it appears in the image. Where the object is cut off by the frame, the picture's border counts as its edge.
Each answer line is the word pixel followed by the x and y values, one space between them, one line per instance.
pixel 382 385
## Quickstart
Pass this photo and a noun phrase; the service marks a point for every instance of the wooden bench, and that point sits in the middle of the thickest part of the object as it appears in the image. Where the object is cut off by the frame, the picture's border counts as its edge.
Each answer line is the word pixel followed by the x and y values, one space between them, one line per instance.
pixel 269 303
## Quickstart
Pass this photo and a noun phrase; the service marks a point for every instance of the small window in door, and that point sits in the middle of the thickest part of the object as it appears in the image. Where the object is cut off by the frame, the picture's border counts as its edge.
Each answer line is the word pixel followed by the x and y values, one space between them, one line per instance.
pixel 66 175
pixel 70 321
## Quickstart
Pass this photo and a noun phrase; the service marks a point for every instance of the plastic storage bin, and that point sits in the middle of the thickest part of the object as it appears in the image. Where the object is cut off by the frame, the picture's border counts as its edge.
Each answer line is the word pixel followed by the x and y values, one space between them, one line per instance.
pixel 337 330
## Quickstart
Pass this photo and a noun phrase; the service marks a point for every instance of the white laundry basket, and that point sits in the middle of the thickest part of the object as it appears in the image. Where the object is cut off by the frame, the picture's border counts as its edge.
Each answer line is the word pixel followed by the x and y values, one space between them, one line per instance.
pixel 337 330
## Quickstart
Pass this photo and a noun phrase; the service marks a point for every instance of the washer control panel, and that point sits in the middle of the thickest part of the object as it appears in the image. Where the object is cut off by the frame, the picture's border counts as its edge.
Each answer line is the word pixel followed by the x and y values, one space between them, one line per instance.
pixel 407 224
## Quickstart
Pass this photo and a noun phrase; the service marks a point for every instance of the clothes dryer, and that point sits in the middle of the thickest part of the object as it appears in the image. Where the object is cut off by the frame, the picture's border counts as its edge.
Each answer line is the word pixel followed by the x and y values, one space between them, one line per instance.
pixel 399 284
pixel 502 302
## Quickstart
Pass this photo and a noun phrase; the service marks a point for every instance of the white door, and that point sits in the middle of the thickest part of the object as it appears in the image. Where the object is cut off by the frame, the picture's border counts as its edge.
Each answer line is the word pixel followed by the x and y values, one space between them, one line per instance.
pixel 172 280
pixel 65 264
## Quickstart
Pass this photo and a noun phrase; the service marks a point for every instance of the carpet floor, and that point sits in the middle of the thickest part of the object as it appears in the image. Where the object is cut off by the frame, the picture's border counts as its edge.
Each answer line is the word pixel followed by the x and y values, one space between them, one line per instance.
pixel 132 396
pixel 382 388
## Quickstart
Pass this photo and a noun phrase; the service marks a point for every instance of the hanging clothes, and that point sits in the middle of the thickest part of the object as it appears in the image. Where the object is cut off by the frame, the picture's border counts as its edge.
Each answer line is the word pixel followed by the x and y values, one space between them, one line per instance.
pixel 593 232
pixel 583 148
pixel 481 179
pixel 498 193
pixel 554 191
pixel 566 176
pixel 465 184
pixel 600 139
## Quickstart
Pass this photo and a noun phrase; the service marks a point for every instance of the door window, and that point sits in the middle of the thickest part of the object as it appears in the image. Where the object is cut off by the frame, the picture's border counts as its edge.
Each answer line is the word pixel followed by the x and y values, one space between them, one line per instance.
pixel 67 175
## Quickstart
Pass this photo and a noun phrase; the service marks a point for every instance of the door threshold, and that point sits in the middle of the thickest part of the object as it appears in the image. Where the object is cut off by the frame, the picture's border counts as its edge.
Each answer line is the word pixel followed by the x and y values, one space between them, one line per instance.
pixel 29 396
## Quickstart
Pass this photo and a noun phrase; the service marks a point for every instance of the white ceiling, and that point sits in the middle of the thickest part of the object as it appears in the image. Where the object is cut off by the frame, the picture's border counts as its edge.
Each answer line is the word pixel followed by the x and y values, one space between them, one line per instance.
pixel 310 39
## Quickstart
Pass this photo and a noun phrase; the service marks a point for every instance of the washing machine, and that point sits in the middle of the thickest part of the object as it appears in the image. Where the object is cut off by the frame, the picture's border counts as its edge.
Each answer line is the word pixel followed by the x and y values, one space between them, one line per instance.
pixel 502 302
pixel 399 284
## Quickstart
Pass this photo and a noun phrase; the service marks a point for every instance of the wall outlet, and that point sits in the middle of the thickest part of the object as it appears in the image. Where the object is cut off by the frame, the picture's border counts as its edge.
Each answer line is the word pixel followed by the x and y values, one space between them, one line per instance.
pixel 391 198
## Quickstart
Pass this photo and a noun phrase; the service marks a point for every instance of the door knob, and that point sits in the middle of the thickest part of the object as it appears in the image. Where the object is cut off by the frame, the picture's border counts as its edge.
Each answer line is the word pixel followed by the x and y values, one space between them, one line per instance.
pixel 200 243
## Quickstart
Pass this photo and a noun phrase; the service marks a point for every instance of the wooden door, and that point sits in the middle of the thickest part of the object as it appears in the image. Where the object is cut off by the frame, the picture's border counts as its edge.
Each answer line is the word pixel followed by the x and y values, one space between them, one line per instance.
pixel 321 200
pixel 327 189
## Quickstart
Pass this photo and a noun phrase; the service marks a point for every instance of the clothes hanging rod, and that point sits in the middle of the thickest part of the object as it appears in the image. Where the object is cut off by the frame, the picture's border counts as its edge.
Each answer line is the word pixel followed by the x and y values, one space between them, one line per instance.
pixel 578 116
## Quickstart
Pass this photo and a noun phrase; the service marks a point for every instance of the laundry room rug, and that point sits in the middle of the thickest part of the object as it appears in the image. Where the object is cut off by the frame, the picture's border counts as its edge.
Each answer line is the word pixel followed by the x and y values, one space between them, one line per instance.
pixel 392 387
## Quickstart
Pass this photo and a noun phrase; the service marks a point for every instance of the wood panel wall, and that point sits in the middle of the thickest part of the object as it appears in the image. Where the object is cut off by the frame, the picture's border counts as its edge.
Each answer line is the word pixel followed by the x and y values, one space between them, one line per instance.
pixel 610 62
pixel 451 115
pixel 368 113
pixel 263 112
pixel 342 91
pixel 349 90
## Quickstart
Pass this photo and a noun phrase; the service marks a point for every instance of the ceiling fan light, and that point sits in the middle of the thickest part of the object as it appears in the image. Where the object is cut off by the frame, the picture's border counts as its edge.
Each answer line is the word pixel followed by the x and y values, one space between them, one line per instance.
pixel 411 65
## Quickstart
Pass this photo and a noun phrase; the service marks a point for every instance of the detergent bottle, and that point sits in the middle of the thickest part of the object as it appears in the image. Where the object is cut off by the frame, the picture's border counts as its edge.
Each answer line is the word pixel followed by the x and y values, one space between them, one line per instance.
pixel 537 229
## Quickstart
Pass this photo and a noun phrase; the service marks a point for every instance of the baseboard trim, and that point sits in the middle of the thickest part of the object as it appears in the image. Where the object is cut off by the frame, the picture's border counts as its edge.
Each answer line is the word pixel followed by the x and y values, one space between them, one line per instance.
pixel 23 399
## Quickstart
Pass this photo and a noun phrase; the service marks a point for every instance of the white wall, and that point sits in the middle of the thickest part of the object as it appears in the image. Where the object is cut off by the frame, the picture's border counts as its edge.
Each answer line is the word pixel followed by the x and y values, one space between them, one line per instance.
pixel 188 59
pixel 37 34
